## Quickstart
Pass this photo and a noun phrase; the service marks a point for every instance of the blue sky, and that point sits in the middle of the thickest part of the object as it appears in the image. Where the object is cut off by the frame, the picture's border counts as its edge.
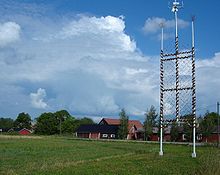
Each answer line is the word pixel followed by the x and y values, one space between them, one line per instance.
pixel 95 57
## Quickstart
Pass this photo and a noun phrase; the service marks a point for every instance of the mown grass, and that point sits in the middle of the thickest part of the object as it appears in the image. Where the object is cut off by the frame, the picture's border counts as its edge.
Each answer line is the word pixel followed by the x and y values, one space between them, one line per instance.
pixel 51 155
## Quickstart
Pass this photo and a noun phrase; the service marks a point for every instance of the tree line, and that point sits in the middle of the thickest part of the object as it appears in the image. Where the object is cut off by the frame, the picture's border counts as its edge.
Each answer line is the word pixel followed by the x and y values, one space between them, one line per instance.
pixel 48 123
pixel 205 125
pixel 61 122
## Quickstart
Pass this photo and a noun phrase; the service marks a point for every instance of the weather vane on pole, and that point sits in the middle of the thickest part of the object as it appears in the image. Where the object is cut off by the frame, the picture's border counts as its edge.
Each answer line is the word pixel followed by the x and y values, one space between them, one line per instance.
pixel 175 91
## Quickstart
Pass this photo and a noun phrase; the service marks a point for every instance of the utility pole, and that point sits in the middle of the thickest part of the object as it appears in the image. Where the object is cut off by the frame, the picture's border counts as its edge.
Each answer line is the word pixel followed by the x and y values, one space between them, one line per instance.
pixel 218 122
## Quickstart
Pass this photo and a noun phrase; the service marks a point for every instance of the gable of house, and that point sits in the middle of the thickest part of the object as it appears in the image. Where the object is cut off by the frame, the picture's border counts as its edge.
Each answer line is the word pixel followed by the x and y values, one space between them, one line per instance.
pixel 131 123
pixel 109 121
pixel 24 131
pixel 135 123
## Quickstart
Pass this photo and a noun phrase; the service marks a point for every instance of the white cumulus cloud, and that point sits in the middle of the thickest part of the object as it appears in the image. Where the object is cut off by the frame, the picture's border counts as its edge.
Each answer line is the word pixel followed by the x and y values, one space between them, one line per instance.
pixel 153 25
pixel 109 27
pixel 9 32
pixel 37 99
pixel 208 82
pixel 89 66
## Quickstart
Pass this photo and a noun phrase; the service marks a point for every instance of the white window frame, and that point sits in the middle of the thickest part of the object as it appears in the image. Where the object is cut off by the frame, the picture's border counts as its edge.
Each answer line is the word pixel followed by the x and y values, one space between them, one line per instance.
pixel 105 135
pixel 184 137
pixel 112 136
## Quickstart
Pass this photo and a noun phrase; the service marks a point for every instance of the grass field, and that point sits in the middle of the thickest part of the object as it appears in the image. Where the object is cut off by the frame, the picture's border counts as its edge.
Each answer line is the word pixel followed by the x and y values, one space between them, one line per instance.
pixel 54 155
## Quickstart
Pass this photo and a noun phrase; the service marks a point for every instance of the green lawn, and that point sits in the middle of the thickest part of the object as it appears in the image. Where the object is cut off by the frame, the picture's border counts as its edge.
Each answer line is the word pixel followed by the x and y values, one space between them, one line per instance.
pixel 51 155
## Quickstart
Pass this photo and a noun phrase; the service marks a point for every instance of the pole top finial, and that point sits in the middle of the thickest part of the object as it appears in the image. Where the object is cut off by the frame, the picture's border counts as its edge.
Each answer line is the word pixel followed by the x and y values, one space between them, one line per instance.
pixel 193 18
pixel 162 25
pixel 176 6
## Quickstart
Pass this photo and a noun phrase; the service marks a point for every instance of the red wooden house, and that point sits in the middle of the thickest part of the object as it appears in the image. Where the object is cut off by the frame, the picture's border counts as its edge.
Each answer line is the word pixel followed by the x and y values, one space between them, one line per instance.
pixel 20 131
pixel 95 131
pixel 213 137
pixel 167 134
pixel 108 129
pixel 155 134
pixel 135 128
pixel 24 131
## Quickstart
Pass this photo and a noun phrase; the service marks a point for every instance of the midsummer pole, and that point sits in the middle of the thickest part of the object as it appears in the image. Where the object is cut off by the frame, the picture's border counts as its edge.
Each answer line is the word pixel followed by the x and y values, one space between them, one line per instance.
pixel 161 94
pixel 193 90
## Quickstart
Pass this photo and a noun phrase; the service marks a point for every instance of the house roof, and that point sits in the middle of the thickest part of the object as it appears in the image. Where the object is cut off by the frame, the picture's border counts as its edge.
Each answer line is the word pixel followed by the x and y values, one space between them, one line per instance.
pixel 4 129
pixel 131 123
pixel 137 123
pixel 18 130
pixel 97 129
pixel 166 130
pixel 155 130
pixel 25 129
pixel 14 129
pixel 111 121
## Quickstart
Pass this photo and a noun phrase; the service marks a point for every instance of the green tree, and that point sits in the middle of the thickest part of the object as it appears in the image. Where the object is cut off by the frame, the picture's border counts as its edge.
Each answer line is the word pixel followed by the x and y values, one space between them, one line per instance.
pixel 82 121
pixel 174 132
pixel 187 127
pixel 208 123
pixel 59 122
pixel 123 128
pixel 212 116
pixel 68 125
pixel 23 121
pixel 86 121
pixel 47 124
pixel 63 120
pixel 76 124
pixel 6 123
pixel 150 121
pixel 62 114
pixel 188 131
